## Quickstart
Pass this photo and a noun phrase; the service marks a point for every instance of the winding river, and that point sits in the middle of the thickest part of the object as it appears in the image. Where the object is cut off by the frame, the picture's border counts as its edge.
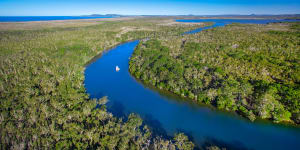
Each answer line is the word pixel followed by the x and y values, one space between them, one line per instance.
pixel 168 114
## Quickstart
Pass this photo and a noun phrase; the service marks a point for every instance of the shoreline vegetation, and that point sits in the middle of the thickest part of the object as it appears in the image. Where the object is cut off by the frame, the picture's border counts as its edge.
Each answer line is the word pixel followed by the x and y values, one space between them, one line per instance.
pixel 43 102
pixel 249 69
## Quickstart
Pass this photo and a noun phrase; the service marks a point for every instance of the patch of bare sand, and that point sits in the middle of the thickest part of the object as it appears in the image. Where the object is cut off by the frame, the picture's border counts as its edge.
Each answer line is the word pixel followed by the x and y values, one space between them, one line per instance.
pixel 128 29
pixel 171 22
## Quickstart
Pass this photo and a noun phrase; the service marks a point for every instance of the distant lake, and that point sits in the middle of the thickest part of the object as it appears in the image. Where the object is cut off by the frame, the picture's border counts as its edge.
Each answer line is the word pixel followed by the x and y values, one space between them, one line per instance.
pixel 42 18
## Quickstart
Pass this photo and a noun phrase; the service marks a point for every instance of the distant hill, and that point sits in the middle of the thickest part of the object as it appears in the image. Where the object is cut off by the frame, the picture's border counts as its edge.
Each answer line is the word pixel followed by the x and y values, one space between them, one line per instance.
pixel 262 16
pixel 106 15
pixel 282 16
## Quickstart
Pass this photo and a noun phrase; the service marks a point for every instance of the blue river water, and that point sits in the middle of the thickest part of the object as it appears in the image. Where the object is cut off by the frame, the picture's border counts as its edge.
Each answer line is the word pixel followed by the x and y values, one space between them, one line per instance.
pixel 42 18
pixel 223 22
pixel 167 114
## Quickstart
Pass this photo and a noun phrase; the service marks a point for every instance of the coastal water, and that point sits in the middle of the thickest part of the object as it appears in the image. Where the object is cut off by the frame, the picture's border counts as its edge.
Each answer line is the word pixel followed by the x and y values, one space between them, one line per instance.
pixel 167 114
pixel 42 18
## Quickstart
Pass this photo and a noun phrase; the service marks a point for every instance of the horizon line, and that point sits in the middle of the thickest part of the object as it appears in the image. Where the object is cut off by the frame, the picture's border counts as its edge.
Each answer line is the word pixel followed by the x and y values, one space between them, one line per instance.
pixel 253 14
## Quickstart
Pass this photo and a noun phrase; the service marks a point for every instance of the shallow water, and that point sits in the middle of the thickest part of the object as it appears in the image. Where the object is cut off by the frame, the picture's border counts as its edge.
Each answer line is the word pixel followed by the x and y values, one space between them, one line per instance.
pixel 166 114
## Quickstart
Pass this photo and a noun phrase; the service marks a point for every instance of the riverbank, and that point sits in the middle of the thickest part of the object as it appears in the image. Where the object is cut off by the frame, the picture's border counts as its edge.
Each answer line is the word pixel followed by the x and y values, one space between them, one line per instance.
pixel 154 75
pixel 166 115
pixel 44 103
pixel 43 100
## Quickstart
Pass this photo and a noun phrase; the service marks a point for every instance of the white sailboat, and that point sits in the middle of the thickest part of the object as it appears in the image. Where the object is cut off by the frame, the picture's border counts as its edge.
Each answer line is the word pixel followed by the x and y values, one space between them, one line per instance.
pixel 117 68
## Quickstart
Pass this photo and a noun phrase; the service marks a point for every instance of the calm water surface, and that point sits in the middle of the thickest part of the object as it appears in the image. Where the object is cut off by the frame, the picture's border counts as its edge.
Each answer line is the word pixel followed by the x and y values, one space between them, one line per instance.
pixel 223 22
pixel 168 115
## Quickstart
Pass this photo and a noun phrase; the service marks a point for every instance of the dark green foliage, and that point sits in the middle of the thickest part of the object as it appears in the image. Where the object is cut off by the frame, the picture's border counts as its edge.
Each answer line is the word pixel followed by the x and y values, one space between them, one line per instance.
pixel 183 143
pixel 249 69
pixel 43 103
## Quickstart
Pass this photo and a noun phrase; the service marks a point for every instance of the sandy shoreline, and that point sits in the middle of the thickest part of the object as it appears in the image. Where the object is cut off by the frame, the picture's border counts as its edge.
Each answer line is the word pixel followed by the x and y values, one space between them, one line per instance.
pixel 174 22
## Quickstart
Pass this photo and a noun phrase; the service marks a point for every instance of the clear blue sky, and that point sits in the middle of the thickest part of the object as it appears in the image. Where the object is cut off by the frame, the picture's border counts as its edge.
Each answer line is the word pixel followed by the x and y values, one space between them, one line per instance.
pixel 148 7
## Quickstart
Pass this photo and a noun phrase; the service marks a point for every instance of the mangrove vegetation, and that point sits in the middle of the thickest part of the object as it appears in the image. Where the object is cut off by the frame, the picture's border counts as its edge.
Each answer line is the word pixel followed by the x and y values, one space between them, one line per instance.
pixel 253 70
pixel 43 102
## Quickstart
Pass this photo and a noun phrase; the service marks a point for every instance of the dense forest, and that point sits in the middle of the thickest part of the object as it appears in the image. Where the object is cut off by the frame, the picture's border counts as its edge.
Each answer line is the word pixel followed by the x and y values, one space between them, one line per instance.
pixel 253 70
pixel 43 102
